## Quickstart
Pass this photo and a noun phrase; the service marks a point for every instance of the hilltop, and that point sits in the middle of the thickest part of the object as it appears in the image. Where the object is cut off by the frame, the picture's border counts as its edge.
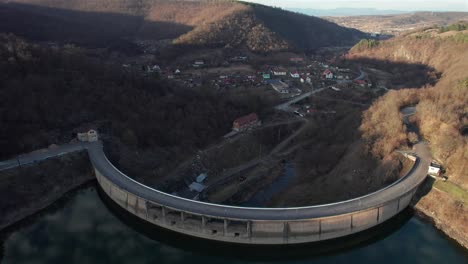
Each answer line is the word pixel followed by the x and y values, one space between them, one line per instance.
pixel 188 23
pixel 394 24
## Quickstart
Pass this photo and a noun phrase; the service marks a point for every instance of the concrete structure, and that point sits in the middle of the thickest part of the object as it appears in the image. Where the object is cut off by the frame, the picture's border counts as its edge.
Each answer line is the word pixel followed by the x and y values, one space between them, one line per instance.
pixel 242 224
pixel 434 169
pixel 258 225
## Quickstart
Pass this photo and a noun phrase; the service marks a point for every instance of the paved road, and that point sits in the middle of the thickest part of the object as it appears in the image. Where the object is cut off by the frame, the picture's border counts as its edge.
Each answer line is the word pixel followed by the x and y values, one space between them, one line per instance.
pixel 408 183
pixel 96 153
pixel 362 76
pixel 285 106
pixel 41 155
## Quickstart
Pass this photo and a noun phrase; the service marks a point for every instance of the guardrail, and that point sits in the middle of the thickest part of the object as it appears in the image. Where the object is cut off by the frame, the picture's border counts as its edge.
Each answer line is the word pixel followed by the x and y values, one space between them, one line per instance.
pixel 256 225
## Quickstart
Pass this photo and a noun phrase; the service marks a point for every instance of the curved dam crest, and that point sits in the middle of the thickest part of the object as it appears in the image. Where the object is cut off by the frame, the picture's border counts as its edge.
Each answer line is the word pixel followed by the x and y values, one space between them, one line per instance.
pixel 258 225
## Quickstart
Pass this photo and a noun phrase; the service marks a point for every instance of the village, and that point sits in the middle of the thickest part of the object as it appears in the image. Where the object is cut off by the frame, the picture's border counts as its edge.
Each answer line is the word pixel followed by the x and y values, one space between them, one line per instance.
pixel 290 77
pixel 305 88
pixel 293 83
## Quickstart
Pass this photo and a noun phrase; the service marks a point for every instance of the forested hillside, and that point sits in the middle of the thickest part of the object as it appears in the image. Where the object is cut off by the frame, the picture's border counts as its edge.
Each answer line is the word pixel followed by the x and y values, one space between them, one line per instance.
pixel 200 23
pixel 441 109
pixel 47 93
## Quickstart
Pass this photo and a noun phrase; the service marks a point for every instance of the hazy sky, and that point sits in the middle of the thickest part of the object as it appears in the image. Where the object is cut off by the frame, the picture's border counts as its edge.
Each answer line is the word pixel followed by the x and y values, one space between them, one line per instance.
pixel 403 5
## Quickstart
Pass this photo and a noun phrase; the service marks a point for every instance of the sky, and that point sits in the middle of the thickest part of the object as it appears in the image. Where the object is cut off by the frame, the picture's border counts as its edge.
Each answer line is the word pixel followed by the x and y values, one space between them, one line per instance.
pixel 402 5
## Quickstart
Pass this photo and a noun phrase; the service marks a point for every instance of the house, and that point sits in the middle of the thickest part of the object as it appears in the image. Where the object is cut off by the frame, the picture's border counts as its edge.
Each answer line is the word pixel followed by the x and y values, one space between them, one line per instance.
pixel 87 135
pixel 201 178
pixel 295 75
pixel 279 72
pixel 327 74
pixel 434 169
pixel 296 59
pixel 199 63
pixel 362 83
pixel 266 76
pixel 197 187
pixel 154 68
pixel 246 122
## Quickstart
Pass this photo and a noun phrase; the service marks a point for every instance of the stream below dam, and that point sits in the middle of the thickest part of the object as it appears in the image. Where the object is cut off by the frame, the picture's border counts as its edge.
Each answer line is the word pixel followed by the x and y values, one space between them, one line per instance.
pixel 86 227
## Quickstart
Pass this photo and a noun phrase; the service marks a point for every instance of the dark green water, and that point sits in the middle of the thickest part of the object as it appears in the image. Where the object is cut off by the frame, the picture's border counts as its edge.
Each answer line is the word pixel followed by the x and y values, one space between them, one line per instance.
pixel 86 228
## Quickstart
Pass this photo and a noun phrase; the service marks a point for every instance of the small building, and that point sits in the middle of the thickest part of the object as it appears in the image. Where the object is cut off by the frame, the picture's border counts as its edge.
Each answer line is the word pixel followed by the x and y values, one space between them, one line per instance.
pixel 266 76
pixel 434 169
pixel 201 178
pixel 279 72
pixel 295 75
pixel 154 68
pixel 198 63
pixel 296 59
pixel 327 74
pixel 246 122
pixel 87 135
pixel 362 83
pixel 197 187
pixel 308 80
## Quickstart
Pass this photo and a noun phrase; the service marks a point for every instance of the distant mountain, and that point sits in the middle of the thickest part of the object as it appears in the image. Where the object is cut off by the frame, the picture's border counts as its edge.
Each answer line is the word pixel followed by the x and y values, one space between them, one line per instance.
pixel 198 23
pixel 345 12
pixel 400 22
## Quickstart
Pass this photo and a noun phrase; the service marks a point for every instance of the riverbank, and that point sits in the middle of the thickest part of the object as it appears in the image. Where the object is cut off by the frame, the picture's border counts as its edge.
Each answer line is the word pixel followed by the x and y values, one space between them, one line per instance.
pixel 445 207
pixel 27 190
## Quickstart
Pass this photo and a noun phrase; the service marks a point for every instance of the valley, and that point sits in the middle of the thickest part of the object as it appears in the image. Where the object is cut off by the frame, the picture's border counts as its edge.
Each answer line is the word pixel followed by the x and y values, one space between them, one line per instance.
pixel 237 103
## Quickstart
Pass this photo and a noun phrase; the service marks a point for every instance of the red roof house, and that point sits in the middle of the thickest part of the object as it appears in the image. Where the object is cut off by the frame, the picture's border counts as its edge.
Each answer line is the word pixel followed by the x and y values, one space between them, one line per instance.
pixel 246 122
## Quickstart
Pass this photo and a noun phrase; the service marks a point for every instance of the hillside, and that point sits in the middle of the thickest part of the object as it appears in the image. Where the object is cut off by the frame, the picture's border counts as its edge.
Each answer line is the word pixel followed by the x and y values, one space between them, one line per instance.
pixel 201 23
pixel 441 118
pixel 393 24
pixel 441 109
pixel 60 90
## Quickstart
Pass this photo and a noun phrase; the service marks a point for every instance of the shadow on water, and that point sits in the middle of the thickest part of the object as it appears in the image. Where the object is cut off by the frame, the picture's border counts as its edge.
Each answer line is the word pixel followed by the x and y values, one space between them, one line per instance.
pixel 257 252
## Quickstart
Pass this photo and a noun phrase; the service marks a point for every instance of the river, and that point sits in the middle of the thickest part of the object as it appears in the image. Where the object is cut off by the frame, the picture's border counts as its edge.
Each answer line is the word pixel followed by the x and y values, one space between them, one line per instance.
pixel 87 228
pixel 262 197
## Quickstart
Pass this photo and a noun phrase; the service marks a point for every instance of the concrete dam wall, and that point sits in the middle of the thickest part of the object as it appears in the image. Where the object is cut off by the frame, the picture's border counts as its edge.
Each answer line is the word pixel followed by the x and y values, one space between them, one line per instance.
pixel 257 225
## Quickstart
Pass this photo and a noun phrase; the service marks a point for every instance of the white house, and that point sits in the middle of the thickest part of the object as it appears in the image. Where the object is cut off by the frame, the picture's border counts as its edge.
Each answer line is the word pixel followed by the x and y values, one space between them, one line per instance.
pixel 295 75
pixel 199 63
pixel 87 136
pixel 434 169
pixel 279 72
pixel 328 74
